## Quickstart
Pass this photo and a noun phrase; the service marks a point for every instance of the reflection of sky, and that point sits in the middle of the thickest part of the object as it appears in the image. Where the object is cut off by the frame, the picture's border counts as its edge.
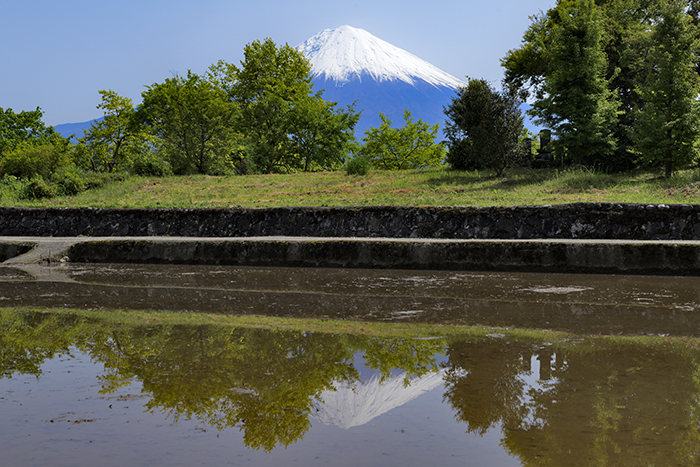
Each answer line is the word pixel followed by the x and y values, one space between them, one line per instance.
pixel 537 380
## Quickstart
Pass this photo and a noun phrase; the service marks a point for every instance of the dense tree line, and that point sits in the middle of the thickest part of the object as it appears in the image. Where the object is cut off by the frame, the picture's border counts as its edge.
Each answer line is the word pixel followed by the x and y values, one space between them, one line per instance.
pixel 617 81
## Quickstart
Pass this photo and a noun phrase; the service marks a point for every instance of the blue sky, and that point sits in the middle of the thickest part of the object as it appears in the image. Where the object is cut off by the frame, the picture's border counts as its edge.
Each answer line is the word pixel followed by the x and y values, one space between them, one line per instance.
pixel 57 55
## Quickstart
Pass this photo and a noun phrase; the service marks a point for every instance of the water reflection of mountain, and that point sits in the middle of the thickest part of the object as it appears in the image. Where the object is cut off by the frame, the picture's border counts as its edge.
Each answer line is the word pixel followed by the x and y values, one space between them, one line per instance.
pixel 597 401
pixel 349 405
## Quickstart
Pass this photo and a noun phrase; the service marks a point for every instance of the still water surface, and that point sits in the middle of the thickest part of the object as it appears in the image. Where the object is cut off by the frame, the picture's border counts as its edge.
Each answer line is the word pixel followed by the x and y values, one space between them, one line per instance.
pixel 586 304
pixel 83 391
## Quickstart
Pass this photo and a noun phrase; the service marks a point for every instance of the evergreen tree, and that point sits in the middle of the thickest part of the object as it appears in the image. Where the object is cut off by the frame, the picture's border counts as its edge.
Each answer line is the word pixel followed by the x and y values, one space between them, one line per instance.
pixel 577 103
pixel 667 132
pixel 483 127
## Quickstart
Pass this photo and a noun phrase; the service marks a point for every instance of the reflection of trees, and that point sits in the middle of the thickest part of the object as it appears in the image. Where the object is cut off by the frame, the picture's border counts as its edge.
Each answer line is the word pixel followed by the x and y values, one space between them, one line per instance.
pixel 617 406
pixel 613 405
pixel 263 381
pixel 607 404
pixel 482 383
pixel 28 339
pixel 414 357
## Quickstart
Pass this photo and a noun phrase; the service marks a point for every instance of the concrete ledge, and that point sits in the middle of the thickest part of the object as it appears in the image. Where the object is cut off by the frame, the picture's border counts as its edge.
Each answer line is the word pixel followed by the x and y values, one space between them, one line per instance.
pixel 571 256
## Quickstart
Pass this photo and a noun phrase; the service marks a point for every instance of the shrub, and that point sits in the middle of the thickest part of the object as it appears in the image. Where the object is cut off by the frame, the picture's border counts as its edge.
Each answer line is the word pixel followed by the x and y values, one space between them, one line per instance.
pixel 358 165
pixel 149 164
pixel 28 161
pixel 37 188
pixel 412 146
pixel 69 182
pixel 11 183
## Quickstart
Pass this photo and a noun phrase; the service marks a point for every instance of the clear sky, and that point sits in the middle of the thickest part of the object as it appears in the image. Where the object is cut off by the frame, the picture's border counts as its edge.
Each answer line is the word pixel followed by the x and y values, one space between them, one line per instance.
pixel 57 55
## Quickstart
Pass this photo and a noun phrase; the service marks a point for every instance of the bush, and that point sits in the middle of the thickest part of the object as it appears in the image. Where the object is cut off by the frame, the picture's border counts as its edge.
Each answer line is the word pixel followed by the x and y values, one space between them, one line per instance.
pixel 150 165
pixel 28 161
pixel 69 182
pixel 412 146
pixel 37 188
pixel 11 183
pixel 358 165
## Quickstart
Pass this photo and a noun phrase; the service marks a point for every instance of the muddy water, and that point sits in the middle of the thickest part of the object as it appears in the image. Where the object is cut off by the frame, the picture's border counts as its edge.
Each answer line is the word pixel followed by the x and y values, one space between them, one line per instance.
pixel 77 391
pixel 586 304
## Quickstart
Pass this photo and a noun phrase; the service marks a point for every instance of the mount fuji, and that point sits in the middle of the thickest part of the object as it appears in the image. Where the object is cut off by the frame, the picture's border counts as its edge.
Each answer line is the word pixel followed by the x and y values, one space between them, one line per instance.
pixel 352 65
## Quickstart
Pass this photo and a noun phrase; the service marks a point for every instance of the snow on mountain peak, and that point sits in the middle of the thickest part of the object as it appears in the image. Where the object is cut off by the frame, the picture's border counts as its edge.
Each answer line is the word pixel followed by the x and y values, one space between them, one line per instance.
pixel 346 53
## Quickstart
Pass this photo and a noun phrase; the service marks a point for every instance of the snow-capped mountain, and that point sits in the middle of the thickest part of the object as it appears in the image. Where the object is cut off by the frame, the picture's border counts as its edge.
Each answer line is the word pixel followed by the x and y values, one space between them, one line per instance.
pixel 352 65
pixel 345 54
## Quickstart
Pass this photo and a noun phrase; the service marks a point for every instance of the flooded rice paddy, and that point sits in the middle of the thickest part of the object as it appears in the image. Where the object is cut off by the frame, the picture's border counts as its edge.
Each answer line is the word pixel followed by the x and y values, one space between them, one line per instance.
pixel 88 390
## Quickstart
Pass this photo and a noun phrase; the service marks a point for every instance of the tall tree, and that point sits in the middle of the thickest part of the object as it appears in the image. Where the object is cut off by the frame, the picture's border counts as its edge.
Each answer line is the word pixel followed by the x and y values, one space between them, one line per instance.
pixel 625 28
pixel 193 119
pixel 288 127
pixel 111 142
pixel 267 87
pixel 483 127
pixel 668 129
pixel 577 103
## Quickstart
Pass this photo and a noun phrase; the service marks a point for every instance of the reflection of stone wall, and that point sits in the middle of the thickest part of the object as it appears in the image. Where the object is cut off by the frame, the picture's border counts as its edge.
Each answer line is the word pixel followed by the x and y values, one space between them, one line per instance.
pixel 584 220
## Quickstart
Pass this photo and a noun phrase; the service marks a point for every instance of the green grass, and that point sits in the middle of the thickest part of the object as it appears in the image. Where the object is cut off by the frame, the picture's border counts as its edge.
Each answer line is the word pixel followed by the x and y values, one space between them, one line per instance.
pixel 399 330
pixel 435 187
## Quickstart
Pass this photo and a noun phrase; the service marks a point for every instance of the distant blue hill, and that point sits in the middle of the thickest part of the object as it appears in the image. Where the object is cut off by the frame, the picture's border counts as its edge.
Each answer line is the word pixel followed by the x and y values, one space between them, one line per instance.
pixel 74 129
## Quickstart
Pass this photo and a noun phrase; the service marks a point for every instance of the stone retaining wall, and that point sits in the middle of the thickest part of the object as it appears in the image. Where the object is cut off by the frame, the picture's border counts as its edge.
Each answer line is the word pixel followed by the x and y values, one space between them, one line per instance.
pixel 563 256
pixel 571 221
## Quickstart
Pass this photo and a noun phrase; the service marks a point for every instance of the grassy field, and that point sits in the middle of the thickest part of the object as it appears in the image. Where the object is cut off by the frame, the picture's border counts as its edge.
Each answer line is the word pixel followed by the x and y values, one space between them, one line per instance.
pixel 435 187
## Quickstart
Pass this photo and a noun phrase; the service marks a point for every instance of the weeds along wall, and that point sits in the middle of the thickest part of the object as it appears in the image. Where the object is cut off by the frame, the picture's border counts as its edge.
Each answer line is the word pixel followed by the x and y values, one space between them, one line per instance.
pixel 584 221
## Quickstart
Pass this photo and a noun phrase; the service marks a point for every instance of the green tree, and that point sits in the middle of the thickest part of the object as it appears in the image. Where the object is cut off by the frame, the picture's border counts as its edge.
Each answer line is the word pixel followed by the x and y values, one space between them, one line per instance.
pixel 193 122
pixel 321 134
pixel 577 102
pixel 111 143
pixel 625 27
pixel 483 127
pixel 626 31
pixel 267 86
pixel 411 146
pixel 668 130
pixel 25 127
pixel 288 127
